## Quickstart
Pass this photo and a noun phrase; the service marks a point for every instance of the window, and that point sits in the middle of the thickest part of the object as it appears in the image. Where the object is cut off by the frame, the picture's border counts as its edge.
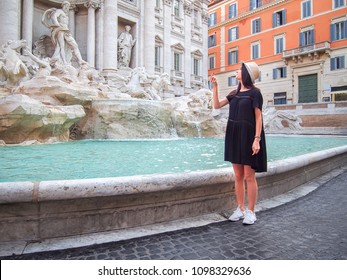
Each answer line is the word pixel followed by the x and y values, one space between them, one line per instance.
pixel 280 98
pixel 212 20
pixel 196 18
pixel 306 9
pixel 196 58
pixel 255 50
pixel 254 4
pixel 337 63
pixel 212 40
pixel 256 26
pixel 307 38
pixel 157 56
pixel 177 11
pixel 339 3
pixel 279 45
pixel 196 67
pixel 280 72
pixel 232 81
pixel 338 31
pixel 177 62
pixel 211 66
pixel 233 34
pixel 279 18
pixel 233 57
pixel 232 10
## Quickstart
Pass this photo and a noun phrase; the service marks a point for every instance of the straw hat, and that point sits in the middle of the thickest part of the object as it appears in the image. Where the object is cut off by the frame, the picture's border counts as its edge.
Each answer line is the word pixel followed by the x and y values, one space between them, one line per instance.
pixel 253 70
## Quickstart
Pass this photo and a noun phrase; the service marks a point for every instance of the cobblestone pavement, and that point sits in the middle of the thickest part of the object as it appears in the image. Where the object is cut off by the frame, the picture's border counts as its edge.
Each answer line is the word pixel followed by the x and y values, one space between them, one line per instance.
pixel 311 227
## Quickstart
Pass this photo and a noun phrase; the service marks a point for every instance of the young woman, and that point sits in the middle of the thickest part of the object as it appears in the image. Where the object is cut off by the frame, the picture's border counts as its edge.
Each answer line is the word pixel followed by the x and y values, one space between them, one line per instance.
pixel 245 145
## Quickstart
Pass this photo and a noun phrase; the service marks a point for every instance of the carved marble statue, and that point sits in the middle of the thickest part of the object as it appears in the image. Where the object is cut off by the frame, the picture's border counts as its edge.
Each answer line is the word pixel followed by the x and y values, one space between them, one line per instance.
pixel 65 45
pixel 125 45
pixel 44 65
pixel 145 86
pixel 161 83
pixel 12 69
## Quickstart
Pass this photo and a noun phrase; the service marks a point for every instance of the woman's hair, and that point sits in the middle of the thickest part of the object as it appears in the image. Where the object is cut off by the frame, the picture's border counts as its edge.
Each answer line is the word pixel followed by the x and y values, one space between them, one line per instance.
pixel 246 78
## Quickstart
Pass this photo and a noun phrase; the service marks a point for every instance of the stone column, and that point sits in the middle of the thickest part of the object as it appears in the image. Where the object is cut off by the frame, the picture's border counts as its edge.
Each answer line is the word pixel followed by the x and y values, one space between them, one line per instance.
pixel 110 36
pixel 72 25
pixel 205 61
pixel 167 9
pixel 9 20
pixel 187 44
pixel 27 22
pixel 91 5
pixel 99 58
pixel 149 36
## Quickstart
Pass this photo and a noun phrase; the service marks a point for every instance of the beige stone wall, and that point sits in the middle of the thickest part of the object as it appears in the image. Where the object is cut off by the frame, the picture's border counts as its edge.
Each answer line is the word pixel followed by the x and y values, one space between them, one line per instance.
pixel 338 121
pixel 318 118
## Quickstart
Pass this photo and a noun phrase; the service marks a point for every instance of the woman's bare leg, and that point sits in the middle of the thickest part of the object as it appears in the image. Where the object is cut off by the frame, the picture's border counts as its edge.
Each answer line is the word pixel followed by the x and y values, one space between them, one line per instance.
pixel 252 187
pixel 239 185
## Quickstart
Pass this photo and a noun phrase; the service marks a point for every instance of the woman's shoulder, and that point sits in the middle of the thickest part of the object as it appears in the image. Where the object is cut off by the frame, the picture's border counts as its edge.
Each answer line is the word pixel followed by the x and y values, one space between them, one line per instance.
pixel 256 90
pixel 231 94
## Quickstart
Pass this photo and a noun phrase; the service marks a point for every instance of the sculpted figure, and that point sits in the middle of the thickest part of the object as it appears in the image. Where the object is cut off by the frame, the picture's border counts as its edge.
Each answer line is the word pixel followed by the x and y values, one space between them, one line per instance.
pixel 140 84
pixel 161 83
pixel 12 69
pixel 44 64
pixel 125 45
pixel 57 20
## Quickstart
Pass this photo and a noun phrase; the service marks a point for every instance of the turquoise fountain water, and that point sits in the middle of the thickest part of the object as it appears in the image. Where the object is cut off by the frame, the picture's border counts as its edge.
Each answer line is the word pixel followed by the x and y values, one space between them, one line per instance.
pixel 114 158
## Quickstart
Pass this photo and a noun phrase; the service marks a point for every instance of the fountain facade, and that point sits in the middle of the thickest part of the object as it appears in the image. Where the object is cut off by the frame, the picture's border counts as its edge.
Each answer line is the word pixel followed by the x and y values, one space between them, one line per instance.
pixel 48 92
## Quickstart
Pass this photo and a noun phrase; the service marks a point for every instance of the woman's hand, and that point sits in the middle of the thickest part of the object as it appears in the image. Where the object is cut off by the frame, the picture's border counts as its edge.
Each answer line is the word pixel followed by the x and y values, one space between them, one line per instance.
pixel 213 79
pixel 255 146
pixel 216 102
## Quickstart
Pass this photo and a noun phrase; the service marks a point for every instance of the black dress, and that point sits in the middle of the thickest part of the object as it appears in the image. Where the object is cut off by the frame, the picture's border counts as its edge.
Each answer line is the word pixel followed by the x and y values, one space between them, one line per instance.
pixel 240 130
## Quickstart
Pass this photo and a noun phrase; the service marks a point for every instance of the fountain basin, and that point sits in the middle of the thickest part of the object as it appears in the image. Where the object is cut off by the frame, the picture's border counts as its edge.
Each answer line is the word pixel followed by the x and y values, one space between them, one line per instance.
pixel 91 159
pixel 33 211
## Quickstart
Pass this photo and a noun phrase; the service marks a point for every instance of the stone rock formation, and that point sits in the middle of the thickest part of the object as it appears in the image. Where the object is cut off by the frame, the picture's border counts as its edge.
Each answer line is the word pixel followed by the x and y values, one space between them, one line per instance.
pixel 23 118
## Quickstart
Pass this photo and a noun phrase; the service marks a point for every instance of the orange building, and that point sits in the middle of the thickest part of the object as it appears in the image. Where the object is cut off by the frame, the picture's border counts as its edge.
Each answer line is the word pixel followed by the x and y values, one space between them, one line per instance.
pixel 299 45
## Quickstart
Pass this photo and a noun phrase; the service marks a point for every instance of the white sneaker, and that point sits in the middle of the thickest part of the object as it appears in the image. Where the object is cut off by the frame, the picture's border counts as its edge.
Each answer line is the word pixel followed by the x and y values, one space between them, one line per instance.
pixel 250 218
pixel 237 215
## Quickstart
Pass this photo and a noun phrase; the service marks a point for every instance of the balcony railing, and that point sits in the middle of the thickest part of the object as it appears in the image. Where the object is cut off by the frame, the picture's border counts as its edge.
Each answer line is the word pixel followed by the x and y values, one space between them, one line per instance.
pixel 322 46
pixel 312 51
pixel 196 78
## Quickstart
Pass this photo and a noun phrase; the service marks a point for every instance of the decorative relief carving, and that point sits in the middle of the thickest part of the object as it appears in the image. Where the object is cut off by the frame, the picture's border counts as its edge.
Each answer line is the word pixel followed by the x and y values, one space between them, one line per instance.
pixel 95 4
